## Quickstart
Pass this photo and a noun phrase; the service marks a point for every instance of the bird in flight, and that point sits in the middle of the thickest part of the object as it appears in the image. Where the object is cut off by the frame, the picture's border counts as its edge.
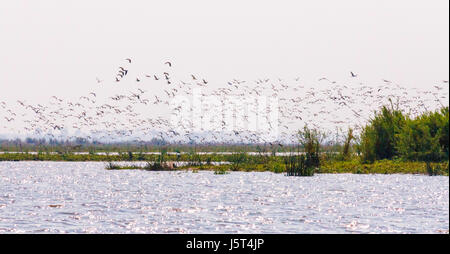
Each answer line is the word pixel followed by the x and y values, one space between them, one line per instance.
pixel 168 63
pixel 353 75
pixel 128 59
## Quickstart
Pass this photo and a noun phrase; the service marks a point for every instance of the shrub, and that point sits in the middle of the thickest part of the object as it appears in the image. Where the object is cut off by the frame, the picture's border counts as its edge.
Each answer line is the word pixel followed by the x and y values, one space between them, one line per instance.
pixel 425 138
pixel 379 136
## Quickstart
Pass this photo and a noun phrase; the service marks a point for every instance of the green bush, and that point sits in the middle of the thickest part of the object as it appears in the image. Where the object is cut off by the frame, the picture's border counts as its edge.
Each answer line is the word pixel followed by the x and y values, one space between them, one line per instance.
pixel 391 134
pixel 425 138
pixel 416 143
pixel 379 136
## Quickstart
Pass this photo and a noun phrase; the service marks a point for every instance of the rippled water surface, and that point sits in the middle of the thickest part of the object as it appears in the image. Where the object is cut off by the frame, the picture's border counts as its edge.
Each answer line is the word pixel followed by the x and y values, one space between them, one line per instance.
pixel 64 197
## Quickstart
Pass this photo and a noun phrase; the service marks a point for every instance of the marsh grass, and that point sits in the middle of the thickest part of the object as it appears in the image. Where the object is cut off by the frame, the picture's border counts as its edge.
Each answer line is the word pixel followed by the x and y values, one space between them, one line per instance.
pixel 237 160
pixel 111 166
pixel 435 170
pixel 305 164
pixel 221 171
pixel 297 165
pixel 385 167
pixel 115 166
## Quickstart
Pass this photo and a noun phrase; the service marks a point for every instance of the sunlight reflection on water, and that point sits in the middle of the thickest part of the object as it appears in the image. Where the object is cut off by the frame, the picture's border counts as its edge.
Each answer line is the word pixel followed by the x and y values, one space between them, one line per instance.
pixel 83 197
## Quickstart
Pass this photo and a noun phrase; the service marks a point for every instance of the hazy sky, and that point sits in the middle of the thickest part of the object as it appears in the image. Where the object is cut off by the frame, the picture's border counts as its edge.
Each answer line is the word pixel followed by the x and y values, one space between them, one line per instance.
pixel 59 47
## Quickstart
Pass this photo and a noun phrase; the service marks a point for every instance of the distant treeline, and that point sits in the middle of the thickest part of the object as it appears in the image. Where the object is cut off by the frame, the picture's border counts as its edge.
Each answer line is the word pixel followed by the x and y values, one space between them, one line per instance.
pixel 68 146
pixel 154 145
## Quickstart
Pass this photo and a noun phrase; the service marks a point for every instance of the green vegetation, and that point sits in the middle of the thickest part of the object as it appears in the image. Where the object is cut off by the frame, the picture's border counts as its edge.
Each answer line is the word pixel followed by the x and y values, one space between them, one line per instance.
pixel 346 152
pixel 150 166
pixel 220 171
pixel 384 167
pixel 391 142
pixel 392 135
pixel 328 167
pixel 115 166
pixel 297 164
pixel 237 159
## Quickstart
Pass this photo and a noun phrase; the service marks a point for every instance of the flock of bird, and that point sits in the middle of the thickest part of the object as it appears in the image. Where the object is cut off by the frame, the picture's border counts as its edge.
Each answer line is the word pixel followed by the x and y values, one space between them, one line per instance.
pixel 144 110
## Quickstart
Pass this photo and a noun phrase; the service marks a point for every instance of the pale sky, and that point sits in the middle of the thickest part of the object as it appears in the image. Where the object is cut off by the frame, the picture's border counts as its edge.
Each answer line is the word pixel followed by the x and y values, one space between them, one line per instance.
pixel 60 48
pixel 51 47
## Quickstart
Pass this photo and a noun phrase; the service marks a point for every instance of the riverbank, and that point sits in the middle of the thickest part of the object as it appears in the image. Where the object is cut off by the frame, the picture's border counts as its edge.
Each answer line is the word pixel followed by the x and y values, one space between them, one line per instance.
pixel 227 162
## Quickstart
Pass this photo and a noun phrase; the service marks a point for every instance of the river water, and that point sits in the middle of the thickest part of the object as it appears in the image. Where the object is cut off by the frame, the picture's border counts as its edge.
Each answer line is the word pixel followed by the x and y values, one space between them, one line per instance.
pixel 83 197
